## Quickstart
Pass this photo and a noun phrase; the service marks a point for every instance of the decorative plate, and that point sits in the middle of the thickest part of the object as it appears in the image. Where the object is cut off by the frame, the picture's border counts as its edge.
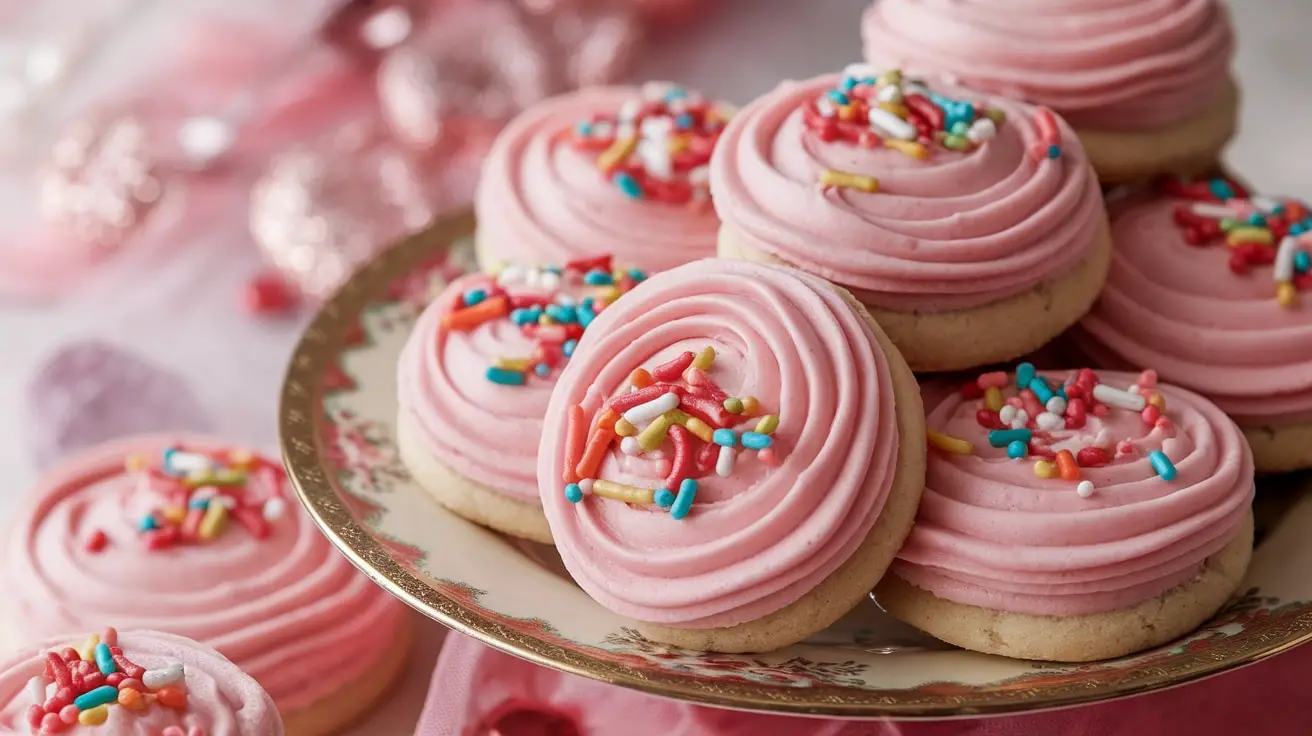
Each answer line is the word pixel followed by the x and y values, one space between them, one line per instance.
pixel 337 414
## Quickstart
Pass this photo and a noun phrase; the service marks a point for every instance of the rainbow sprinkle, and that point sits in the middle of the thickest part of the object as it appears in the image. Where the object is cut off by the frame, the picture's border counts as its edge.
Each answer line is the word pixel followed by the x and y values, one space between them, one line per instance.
pixel 657 146
pixel 543 309
pixel 80 685
pixel 676 410
pixel 203 492
pixel 1026 414
pixel 1260 231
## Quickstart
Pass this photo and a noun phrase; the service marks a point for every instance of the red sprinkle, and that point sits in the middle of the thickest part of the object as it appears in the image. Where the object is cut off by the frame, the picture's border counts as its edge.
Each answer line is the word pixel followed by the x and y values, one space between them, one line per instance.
pixel 268 295
pixel 971 391
pixel 624 402
pixel 125 665
pixel 1092 457
pixel 97 541
pixel 671 370
pixel 253 520
pixel 989 419
pixel 684 464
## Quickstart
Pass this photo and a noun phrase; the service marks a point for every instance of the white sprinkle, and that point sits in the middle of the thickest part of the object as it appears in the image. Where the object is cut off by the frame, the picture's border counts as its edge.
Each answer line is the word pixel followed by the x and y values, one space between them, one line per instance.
pixel 655 91
pixel 629 446
pixel 629 111
pixel 603 129
pixel 825 107
pixel 1048 421
pixel 1085 489
pixel 204 493
pixel 387 28
pixel 155 679
pixel 274 508
pixel 860 70
pixel 656 159
pixel 983 129
pixel 883 121
pixel 889 93
pixel 1113 396
pixel 1214 211
pixel 643 413
pixel 724 463
pixel 1021 420
pixel 585 485
pixel 1132 388
pixel 1266 204
pixel 205 138
pixel 1007 413
pixel 1284 268
pixel 511 275
pixel 1104 439
pixel 699 176
pixel 186 462
pixel 565 300
pixel 36 689
pixel 1056 405
pixel 657 128
pixel 227 502
pixel 549 280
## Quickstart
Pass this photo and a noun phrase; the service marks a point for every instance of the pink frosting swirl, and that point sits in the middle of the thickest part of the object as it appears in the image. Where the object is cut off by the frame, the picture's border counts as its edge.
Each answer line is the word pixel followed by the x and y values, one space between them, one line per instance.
pixel 542 201
pixel 762 537
pixel 1116 65
pixel 221 699
pixel 956 231
pixel 990 533
pixel 288 609
pixel 481 429
pixel 1179 308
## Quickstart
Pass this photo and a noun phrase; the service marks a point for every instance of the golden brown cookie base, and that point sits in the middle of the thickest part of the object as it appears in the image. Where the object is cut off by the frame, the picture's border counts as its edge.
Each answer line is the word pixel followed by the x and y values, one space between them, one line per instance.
pixel 1280 449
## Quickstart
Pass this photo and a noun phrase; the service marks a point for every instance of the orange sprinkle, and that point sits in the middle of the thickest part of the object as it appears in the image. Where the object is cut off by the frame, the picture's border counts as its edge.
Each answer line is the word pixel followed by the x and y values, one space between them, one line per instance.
pixel 1066 466
pixel 470 317
pixel 751 405
pixel 606 419
pixel 598 443
pixel 576 434
pixel 640 378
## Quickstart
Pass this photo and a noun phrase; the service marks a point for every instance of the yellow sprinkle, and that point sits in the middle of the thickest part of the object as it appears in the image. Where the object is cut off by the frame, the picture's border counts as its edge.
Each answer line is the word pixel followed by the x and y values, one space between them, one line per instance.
pixel 1158 401
pixel 946 443
pixel 993 398
pixel 88 650
pixel 751 405
pixel 654 434
pixel 911 148
pixel 93 717
pixel 621 492
pixel 607 294
pixel 1045 469
pixel 1286 294
pixel 216 518
pixel 624 429
pixel 891 76
pixel 733 405
pixel 511 364
pixel 702 430
pixel 136 463
pixel 704 359
pixel 897 108
pixel 678 143
pixel 546 320
pixel 618 151
pixel 174 514
pixel 846 112
pixel 242 459
pixel 1247 235
pixel 997 116
pixel 496 269
pixel 833 178
pixel 768 424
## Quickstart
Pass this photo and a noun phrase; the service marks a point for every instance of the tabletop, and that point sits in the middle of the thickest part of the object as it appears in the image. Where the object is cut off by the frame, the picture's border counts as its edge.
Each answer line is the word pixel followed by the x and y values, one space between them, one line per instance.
pixel 181 313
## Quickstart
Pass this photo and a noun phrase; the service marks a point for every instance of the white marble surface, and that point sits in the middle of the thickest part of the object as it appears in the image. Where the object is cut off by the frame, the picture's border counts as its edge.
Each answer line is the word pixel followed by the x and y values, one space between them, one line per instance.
pixel 181 311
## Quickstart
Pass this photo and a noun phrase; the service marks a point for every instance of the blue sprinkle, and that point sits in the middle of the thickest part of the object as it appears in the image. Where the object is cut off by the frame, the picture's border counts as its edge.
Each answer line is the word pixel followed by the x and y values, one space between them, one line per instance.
pixel 1162 464
pixel 474 296
pixel 103 695
pixel 553 269
pixel 561 314
pixel 584 316
pixel 1017 449
pixel 598 277
pixel 1278 209
pixel 148 523
pixel 105 659
pixel 1024 374
pixel 628 185
pixel 505 377
pixel 573 493
pixel 526 316
pixel 1296 229
pixel 1302 261
pixel 756 440
pixel 637 275
pixel 683 502
pixel 676 93
pixel 1257 220
pixel 1041 389
pixel 663 498
pixel 199 503
pixel 684 121
pixel 542 369
pixel 848 84
pixel 568 348
pixel 724 437
pixel 1004 437
pixel 583 128
pixel 1221 189
pixel 1054 151
pixel 838 97
pixel 588 302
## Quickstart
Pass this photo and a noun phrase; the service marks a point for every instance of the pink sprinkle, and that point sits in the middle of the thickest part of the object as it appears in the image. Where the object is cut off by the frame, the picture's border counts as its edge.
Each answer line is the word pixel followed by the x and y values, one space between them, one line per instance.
pixel 1124 447
pixel 1148 379
pixel 768 457
pixel 996 379
pixel 50 723
pixel 68 714
pixel 1016 402
pixel 1151 414
pixel 1167 426
pixel 173 731
pixel 110 637
pixel 1100 410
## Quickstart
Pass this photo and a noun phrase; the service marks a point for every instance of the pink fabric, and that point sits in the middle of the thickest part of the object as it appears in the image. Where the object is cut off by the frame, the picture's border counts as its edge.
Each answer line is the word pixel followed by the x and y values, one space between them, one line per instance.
pixel 479 691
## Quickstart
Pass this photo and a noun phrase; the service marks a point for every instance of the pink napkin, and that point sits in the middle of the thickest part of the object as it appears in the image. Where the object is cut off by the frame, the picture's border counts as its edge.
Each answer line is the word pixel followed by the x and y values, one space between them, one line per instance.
pixel 479 691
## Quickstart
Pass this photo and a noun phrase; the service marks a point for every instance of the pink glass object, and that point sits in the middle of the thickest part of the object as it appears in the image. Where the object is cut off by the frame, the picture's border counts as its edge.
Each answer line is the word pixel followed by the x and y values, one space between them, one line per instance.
pixel 470 66
pixel 591 42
